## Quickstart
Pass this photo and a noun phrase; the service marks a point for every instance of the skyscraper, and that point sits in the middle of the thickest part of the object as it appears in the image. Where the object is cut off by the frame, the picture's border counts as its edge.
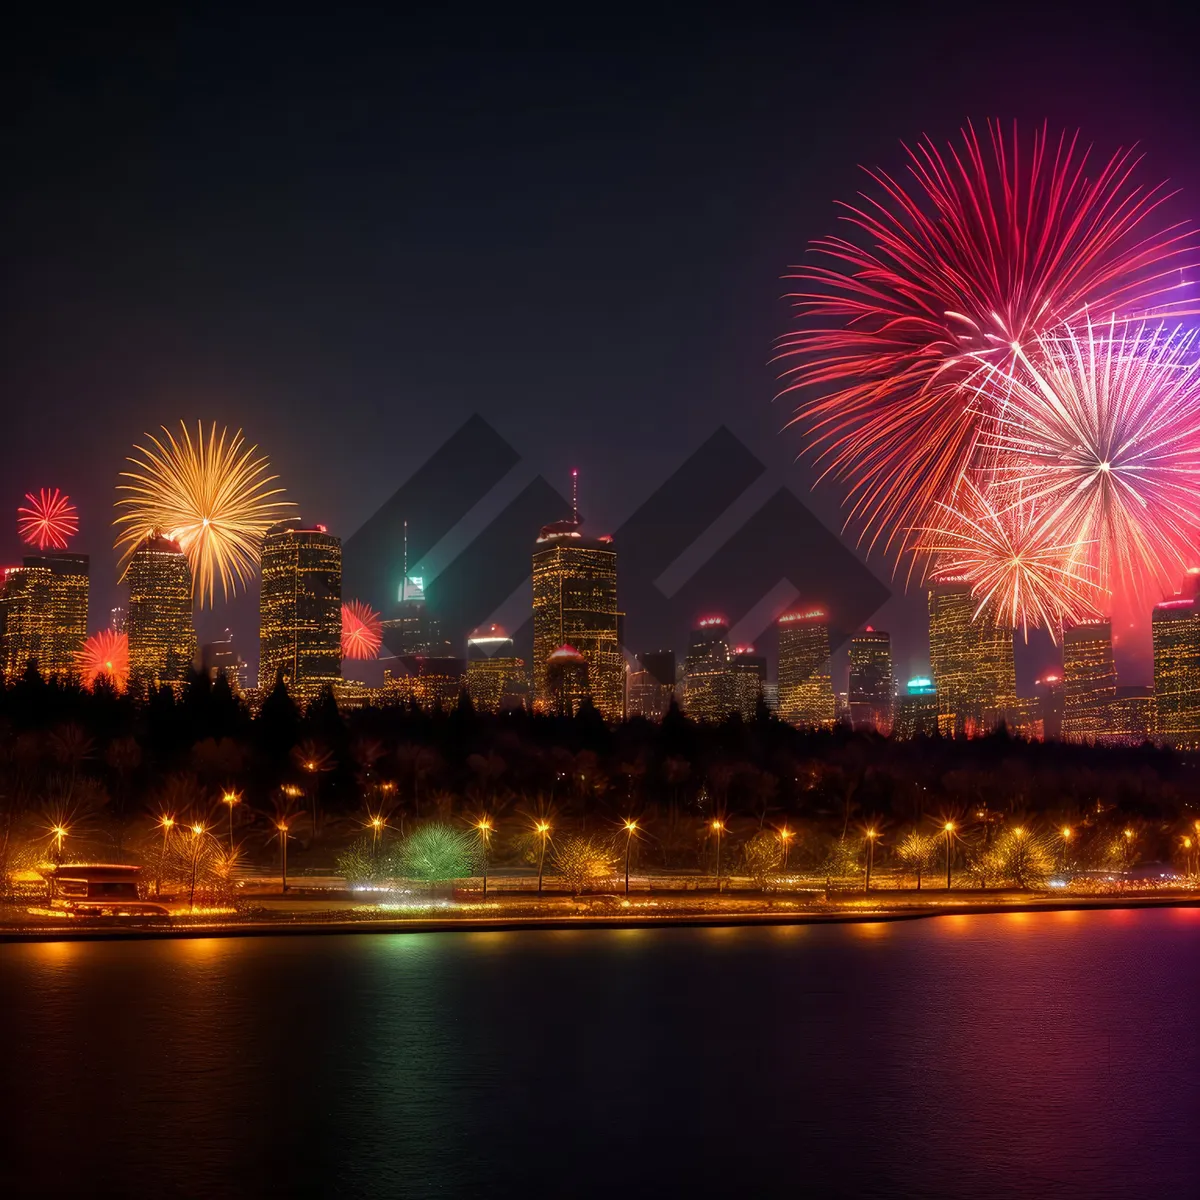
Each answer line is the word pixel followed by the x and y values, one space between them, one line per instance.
pixel 300 609
pixel 707 680
pixel 748 678
pixel 872 689
pixel 651 684
pixel 575 604
pixel 918 711
pixel 1089 680
pixel 566 681
pixel 43 614
pixel 496 678
pixel 805 686
pixel 221 658
pixel 162 637
pixel 1049 689
pixel 1175 628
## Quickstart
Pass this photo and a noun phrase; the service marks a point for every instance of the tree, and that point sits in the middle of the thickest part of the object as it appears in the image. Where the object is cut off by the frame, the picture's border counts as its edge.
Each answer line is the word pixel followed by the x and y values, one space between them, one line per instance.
pixel 919 852
pixel 583 861
pixel 762 855
pixel 435 853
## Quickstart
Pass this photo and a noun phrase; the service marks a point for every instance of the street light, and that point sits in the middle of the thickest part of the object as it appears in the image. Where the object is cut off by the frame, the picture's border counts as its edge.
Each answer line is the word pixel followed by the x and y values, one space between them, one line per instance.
pixel 1067 834
pixel 484 827
pixel 376 830
pixel 785 839
pixel 718 827
pixel 630 830
pixel 60 834
pixel 230 798
pixel 949 829
pixel 283 832
pixel 871 836
pixel 167 823
pixel 197 833
pixel 543 830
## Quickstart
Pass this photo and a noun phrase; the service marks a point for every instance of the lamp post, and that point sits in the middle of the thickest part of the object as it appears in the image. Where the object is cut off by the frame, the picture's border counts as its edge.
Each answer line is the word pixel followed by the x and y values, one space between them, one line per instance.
pixel 785 840
pixel 167 823
pixel 871 836
pixel 1187 858
pixel 630 830
pixel 484 827
pixel 197 834
pixel 376 830
pixel 283 833
pixel 60 836
pixel 949 829
pixel 1067 835
pixel 543 830
pixel 718 827
pixel 230 799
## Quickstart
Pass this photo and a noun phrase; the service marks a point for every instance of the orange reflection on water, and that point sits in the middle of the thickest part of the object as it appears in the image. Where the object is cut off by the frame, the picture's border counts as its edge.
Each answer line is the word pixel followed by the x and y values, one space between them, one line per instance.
pixel 872 931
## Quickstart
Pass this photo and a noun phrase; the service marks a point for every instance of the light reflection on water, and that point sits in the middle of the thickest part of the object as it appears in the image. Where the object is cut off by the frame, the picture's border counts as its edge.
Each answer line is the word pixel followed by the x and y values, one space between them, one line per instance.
pixel 963 1056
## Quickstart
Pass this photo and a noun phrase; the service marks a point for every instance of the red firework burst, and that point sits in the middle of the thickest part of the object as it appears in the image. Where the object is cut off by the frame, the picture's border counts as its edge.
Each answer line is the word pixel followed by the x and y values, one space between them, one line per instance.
pixel 49 521
pixel 362 634
pixel 989 248
pixel 104 653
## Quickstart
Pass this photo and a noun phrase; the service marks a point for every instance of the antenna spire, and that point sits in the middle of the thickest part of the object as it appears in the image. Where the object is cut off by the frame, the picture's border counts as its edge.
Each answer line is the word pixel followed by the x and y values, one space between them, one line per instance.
pixel 575 495
pixel 404 577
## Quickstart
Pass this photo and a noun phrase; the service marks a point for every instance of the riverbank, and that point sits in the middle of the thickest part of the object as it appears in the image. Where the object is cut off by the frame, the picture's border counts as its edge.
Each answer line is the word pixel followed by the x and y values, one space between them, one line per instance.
pixel 289 919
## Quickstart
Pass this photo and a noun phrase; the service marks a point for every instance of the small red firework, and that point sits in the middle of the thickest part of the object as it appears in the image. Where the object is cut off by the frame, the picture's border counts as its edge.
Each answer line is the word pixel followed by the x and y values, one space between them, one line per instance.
pixel 362 634
pixel 105 653
pixel 49 521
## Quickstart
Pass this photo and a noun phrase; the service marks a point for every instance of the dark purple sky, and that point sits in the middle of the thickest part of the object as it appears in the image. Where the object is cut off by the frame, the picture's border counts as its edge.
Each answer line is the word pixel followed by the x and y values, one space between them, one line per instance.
pixel 346 233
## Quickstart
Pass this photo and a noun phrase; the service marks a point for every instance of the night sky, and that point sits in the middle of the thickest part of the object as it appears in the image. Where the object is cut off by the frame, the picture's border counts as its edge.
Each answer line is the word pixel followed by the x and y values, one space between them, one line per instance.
pixel 346 234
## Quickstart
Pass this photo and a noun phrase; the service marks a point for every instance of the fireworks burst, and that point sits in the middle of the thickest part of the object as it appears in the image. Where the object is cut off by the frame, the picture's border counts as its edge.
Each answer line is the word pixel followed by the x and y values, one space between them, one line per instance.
pixel 105 653
pixel 1020 570
pixel 212 497
pixel 362 634
pixel 989 248
pixel 49 521
pixel 1100 428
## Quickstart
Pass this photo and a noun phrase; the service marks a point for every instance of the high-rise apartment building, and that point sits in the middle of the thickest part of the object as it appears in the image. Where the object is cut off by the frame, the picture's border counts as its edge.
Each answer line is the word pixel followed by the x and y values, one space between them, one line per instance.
pixel 1175 628
pixel 707 679
pixel 575 604
pixel 162 636
pixel 872 693
pixel 805 685
pixel 496 678
pixel 748 677
pixel 918 712
pixel 300 609
pixel 43 614
pixel 1089 680
pixel 567 681
pixel 1052 705
pixel 220 657
pixel 651 684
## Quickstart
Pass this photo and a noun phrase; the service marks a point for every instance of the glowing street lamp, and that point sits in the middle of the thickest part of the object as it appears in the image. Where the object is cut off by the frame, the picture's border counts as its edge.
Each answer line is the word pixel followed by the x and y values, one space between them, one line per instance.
pixel 231 799
pixel 283 835
pixel 718 827
pixel 376 830
pixel 949 830
pixel 543 830
pixel 630 830
pixel 197 834
pixel 871 836
pixel 785 840
pixel 484 827
pixel 60 836
pixel 167 824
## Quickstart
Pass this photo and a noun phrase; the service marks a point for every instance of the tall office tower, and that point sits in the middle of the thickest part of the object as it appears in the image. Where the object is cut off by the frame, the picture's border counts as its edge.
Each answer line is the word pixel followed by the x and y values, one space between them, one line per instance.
pixel 575 604
pixel 300 609
pixel 496 678
pixel 748 674
pixel 1175 628
pixel 651 684
pixel 872 689
pixel 707 681
pixel 1131 717
pixel 221 658
pixel 119 619
pixel 1049 691
pixel 566 681
pixel 1089 680
pixel 994 690
pixel 44 611
pixel 918 711
pixel 805 687
pixel 162 638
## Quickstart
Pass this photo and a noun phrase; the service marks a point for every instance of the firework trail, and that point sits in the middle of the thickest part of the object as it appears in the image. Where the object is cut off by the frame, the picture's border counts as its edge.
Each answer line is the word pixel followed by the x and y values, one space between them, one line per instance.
pixel 49 521
pixel 211 496
pixel 362 634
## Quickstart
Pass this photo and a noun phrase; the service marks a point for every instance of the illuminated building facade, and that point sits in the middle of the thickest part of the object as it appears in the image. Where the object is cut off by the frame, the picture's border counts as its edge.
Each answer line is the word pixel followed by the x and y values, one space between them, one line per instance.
pixel 1052 705
pixel 221 658
pixel 1131 717
pixel 707 678
pixel 162 637
pixel 872 694
pixel 1089 680
pixel 805 687
pixel 651 684
pixel 43 614
pixel 496 679
pixel 430 682
pixel 1175 628
pixel 918 712
pixel 748 677
pixel 300 609
pixel 575 604
pixel 567 681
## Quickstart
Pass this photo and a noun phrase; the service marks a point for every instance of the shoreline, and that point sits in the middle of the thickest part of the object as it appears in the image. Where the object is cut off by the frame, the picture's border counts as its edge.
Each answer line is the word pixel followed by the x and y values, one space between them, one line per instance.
pixel 308 927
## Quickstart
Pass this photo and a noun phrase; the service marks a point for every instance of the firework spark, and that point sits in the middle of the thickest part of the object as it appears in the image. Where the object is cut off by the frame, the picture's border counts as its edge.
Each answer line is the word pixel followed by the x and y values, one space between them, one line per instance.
pixel 988 249
pixel 362 634
pixel 1020 570
pixel 211 496
pixel 1100 427
pixel 49 521
pixel 104 653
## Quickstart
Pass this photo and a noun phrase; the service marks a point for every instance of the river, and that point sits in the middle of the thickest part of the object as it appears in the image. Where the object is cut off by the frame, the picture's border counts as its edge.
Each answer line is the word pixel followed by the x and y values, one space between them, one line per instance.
pixel 975 1056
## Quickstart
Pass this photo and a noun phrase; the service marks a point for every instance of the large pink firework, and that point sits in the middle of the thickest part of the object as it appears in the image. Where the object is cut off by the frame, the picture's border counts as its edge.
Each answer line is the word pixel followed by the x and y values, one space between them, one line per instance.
pixel 105 653
pixel 362 634
pixel 990 244
pixel 1099 426
pixel 50 521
